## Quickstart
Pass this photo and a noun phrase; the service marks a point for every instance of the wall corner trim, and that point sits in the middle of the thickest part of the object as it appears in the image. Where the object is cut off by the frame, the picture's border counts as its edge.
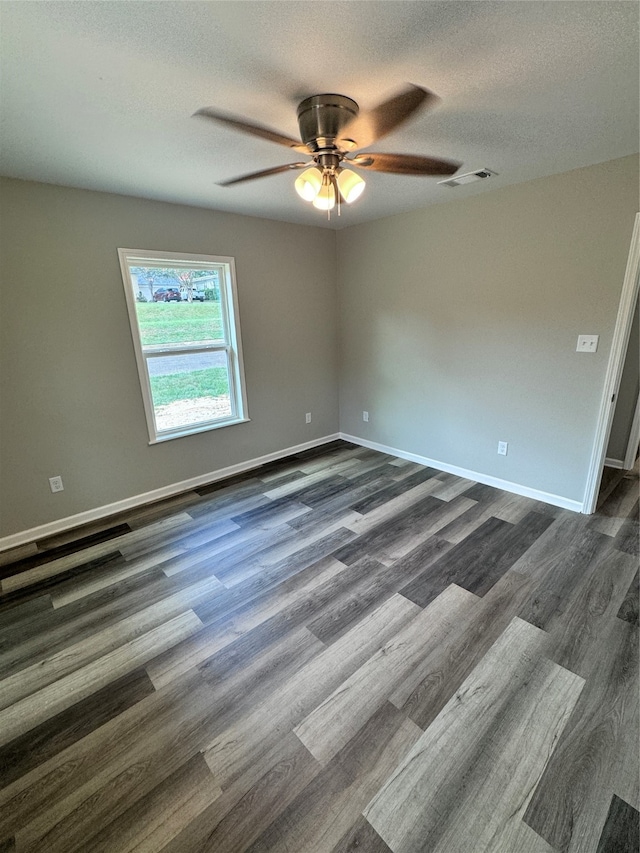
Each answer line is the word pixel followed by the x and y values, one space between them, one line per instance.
pixel 621 333
pixel 52 528
pixel 485 479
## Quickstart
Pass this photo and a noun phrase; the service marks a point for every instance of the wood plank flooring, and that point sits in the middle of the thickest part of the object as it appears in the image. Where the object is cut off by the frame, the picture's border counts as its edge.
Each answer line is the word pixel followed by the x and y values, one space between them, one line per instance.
pixel 338 651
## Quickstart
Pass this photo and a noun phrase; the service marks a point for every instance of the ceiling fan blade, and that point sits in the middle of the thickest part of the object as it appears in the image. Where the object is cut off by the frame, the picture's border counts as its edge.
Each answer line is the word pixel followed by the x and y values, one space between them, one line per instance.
pixel 371 125
pixel 404 164
pixel 253 129
pixel 264 173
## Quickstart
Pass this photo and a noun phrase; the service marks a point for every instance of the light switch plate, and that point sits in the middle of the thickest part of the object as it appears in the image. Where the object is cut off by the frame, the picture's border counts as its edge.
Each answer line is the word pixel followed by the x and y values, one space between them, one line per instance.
pixel 587 343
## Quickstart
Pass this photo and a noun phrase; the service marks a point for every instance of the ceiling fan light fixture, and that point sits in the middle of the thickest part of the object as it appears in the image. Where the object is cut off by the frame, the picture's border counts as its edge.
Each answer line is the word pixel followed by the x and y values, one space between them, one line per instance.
pixel 351 185
pixel 326 198
pixel 308 184
pixel 331 126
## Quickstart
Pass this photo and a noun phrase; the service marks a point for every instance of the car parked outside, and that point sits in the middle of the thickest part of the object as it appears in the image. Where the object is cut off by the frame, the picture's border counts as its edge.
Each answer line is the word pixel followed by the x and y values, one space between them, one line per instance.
pixel 195 296
pixel 167 294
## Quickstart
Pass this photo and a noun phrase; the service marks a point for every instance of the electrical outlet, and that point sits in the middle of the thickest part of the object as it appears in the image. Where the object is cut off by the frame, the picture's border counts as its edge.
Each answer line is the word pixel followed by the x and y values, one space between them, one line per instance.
pixel 55 484
pixel 365 416
pixel 307 418
pixel 503 446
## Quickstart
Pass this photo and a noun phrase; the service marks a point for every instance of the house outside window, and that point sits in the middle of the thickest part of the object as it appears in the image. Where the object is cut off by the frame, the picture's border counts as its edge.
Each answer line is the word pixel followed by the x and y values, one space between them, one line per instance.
pixel 183 311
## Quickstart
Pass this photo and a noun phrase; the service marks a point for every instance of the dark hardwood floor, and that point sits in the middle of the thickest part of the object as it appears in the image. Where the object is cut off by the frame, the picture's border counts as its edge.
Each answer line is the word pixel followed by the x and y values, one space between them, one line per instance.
pixel 340 651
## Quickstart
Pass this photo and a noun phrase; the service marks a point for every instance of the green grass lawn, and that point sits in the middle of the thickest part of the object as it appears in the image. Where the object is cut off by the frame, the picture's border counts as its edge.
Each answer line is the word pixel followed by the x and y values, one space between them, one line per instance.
pixel 211 382
pixel 178 322
pixel 182 322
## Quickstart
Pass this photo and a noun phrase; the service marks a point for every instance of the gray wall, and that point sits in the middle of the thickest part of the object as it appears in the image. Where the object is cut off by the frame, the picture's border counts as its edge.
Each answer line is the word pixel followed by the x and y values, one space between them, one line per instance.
pixel 627 396
pixel 458 329
pixel 70 397
pixel 459 324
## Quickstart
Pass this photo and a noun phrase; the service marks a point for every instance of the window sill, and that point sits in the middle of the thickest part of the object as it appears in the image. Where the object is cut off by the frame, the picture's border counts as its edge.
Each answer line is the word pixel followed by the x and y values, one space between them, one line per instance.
pixel 207 427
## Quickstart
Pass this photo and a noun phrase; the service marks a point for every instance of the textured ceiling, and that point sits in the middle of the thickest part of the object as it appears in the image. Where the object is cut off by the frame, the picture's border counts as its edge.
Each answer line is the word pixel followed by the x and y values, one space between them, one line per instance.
pixel 100 94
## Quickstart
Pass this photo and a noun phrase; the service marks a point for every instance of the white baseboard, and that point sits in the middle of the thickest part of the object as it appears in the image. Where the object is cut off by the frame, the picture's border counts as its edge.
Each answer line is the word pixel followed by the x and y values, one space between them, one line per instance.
pixel 54 527
pixel 486 479
pixel 614 463
pixel 62 524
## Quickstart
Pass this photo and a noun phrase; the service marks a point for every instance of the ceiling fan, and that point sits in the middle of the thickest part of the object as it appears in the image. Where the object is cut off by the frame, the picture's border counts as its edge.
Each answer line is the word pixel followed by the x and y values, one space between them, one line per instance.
pixel 333 130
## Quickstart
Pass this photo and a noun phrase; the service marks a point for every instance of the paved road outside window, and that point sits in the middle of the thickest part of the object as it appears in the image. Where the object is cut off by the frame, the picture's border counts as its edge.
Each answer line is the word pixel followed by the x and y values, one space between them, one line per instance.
pixel 168 364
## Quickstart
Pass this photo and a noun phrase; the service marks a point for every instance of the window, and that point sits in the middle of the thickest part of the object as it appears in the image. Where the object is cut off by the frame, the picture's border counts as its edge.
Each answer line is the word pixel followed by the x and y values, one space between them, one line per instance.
pixel 186 333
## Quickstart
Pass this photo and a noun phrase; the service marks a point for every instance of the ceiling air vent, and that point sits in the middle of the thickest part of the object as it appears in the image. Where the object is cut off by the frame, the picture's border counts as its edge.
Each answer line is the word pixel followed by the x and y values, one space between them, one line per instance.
pixel 468 178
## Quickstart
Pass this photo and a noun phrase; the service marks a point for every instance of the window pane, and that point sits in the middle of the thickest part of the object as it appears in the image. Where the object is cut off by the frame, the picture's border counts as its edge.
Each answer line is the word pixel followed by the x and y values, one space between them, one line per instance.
pixel 186 335
pixel 189 389
pixel 170 313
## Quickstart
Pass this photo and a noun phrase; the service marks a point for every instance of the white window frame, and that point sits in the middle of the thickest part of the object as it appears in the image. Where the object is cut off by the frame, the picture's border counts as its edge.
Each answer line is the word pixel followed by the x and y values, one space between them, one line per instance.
pixel 231 344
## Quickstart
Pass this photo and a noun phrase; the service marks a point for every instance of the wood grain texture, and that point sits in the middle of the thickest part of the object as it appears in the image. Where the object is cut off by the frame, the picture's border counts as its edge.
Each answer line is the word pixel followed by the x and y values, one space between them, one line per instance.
pixel 26 611
pixel 195 836
pixel 627 538
pixel 228 754
pixel 50 631
pixel 362 836
pixel 452 488
pixel 495 504
pixel 582 625
pixel 105 752
pixel 57 733
pixel 566 531
pixel 333 723
pixel 15 556
pixel 290 774
pixel 125 776
pixel 569 806
pixel 393 490
pixel 45 551
pixel 424 693
pixel 620 506
pixel 14 591
pixel 621 832
pixel 480 560
pixel 240 669
pixel 60 664
pixel 444 796
pixel 372 583
pixel 517 836
pixel 113 575
pixel 81 683
pixel 166 667
pixel 557 578
pixel 75 559
pixel 627 776
pixel 155 820
pixel 630 605
pixel 399 535
pixel 319 817
pixel 393 508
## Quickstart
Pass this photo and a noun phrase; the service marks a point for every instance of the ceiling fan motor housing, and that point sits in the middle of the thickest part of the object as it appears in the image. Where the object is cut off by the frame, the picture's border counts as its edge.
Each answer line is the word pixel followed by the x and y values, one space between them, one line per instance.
pixel 322 117
pixel 332 128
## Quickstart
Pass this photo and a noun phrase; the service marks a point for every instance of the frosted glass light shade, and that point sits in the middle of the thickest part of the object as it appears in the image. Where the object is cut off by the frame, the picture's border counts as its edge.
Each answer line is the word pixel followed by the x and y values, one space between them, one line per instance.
pixel 308 184
pixel 326 198
pixel 351 185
